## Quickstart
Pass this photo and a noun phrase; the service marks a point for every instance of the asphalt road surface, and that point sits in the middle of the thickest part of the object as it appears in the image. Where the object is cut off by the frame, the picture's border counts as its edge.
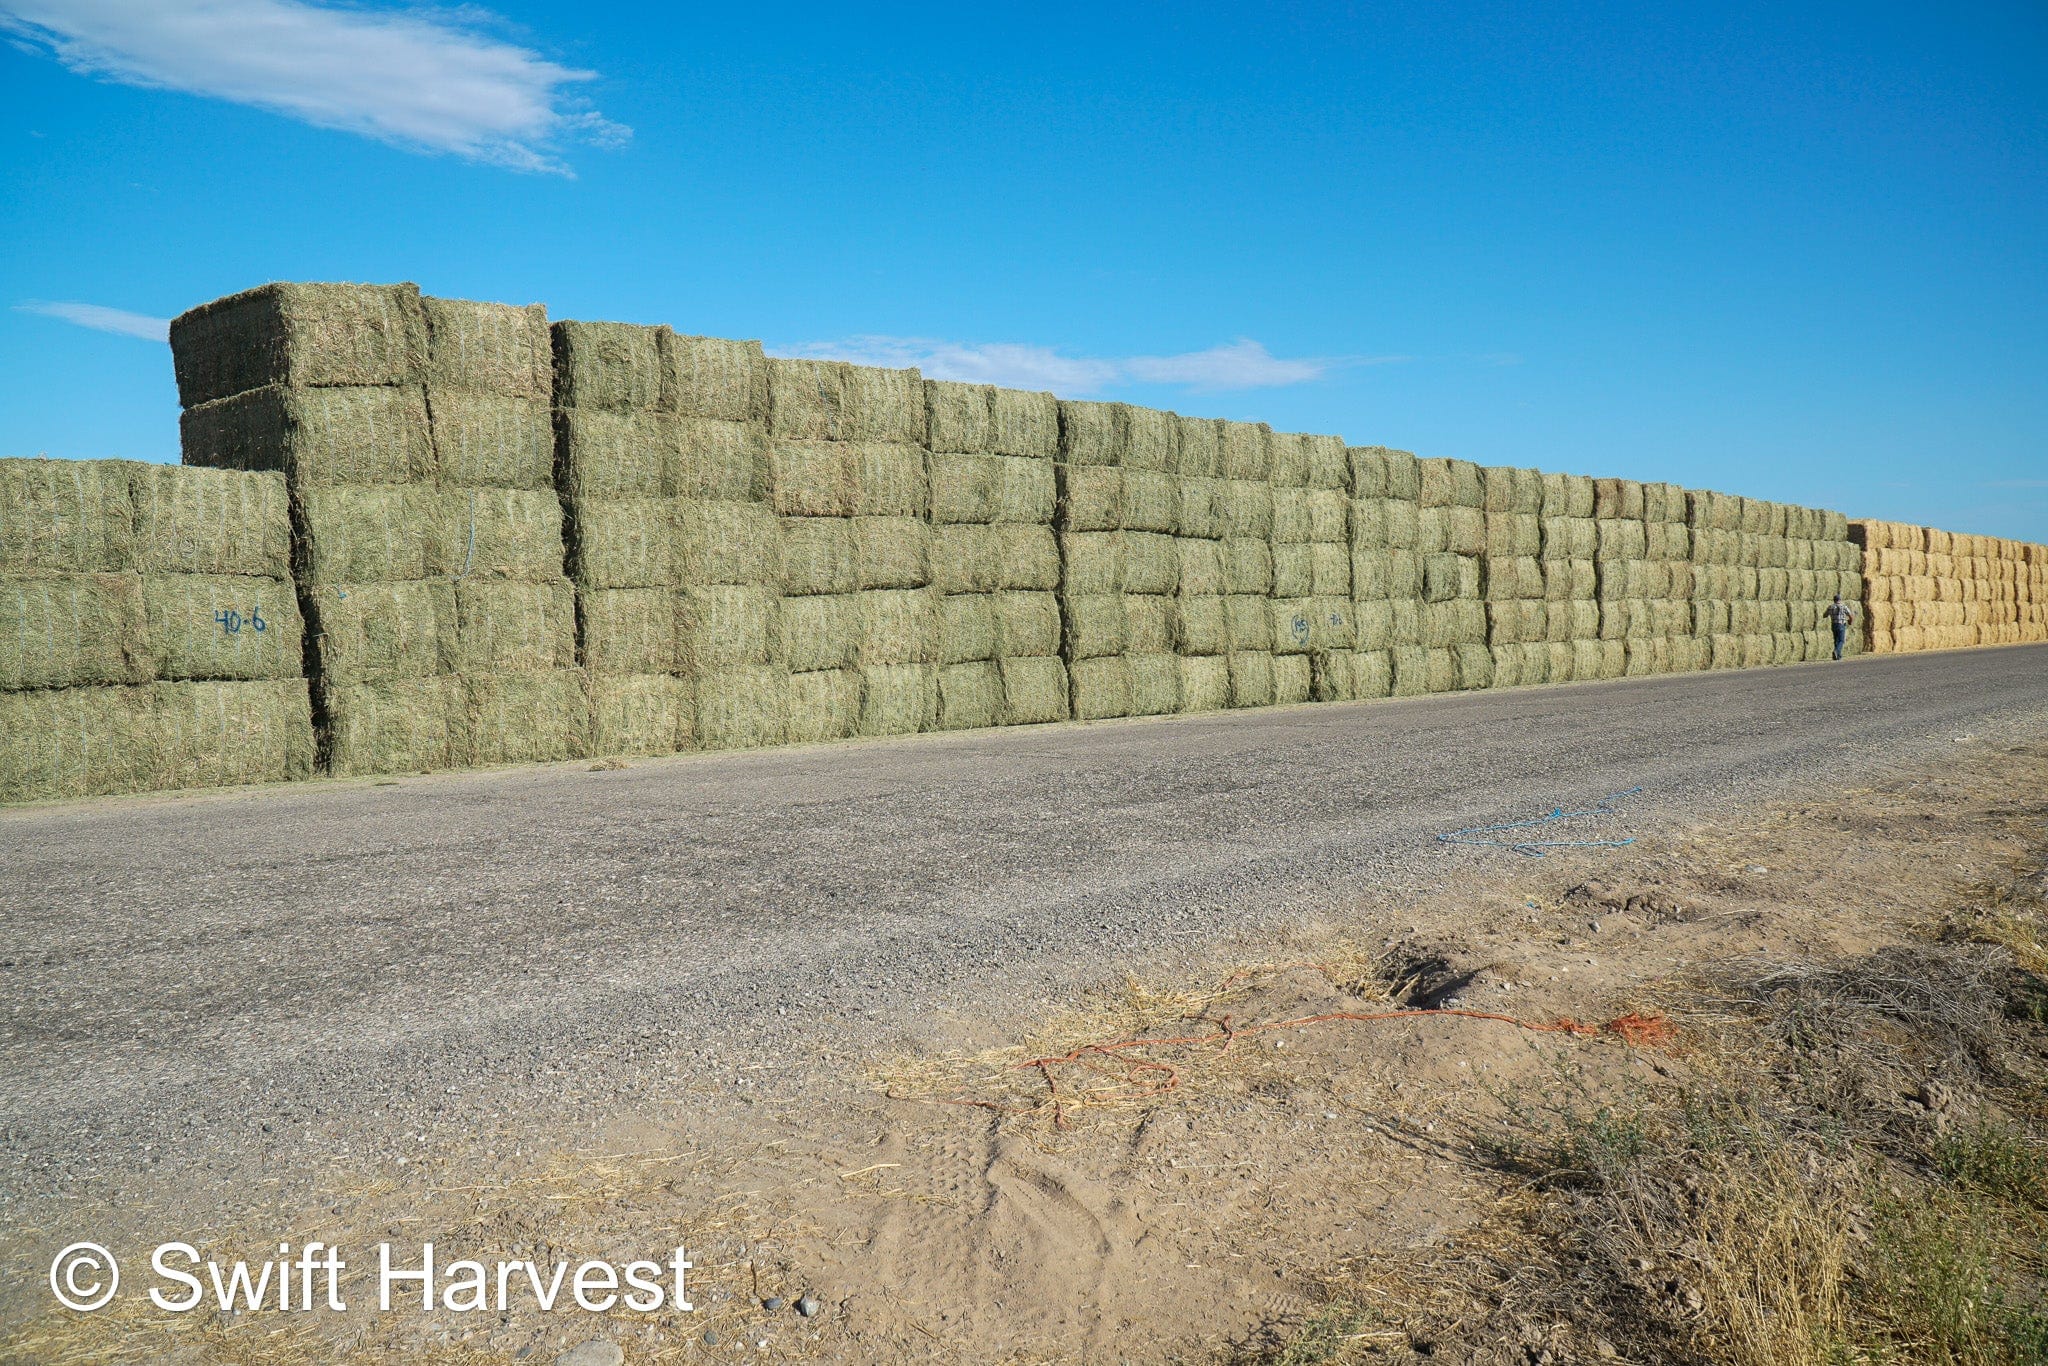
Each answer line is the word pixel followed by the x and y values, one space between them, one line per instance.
pixel 199 984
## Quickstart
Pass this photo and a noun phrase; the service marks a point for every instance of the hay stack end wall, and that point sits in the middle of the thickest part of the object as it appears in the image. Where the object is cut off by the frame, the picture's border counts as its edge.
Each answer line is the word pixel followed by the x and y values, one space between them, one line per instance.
pixel 414 533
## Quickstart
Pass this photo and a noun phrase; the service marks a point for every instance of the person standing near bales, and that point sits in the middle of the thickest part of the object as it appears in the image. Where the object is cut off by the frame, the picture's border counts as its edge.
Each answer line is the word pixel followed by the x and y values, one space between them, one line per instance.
pixel 1839 616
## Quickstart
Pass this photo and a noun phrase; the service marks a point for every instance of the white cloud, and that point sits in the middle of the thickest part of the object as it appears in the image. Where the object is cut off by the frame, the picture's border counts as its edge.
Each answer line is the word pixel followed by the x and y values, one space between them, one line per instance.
pixel 1242 364
pixel 429 81
pixel 103 319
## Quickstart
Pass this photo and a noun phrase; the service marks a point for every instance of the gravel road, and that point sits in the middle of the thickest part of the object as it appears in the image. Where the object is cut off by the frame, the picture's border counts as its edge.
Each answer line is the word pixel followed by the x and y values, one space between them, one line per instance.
pixel 200 987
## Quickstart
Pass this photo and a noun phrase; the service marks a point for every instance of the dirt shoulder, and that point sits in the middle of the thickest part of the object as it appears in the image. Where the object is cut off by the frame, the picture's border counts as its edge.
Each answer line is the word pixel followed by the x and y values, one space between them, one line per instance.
pixel 1805 1030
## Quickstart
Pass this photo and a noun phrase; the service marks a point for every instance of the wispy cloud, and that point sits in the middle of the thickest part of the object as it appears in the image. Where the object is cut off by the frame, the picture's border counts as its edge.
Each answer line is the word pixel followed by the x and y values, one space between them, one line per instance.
pixel 103 319
pixel 433 81
pixel 1242 364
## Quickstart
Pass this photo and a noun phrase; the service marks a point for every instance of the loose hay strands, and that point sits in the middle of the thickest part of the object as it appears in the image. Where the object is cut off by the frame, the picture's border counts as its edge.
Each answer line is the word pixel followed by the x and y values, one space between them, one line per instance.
pixel 1116 1072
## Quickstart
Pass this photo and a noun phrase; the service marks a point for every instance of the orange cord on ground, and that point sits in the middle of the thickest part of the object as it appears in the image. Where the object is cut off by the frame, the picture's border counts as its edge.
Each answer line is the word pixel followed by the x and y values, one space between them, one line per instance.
pixel 1141 1078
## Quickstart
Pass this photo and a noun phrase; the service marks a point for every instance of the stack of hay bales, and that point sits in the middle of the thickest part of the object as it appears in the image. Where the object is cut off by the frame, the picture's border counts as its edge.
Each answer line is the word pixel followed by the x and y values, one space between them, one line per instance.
pixel 1571 600
pixel 1201 607
pixel 1511 576
pixel 1667 642
pixel 1451 539
pixel 489 392
pixel 427 551
pixel 1386 573
pixel 1314 635
pixel 149 633
pixel 1725 611
pixel 1245 510
pixel 1927 589
pixel 619 467
pixel 860 637
pixel 995 563
pixel 1120 564
pixel 1763 573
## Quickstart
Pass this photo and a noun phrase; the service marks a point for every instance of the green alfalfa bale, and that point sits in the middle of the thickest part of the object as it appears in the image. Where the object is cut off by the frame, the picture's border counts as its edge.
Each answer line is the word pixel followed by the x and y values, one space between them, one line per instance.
pixel 1404 475
pixel 1151 501
pixel 365 633
pixel 1641 659
pixel 713 377
pixel 1459 622
pixel 1367 524
pixel 818 400
pixel 1568 495
pixel 1329 463
pixel 488 348
pixel 1246 451
pixel 819 632
pixel 1091 498
pixel 899 626
pixel 967 628
pixel 1372 625
pixel 1452 530
pixel 1561 661
pixel 1035 690
pixel 504 534
pixel 1199 571
pixel 1372 674
pixel 1092 433
pixel 965 558
pixel 1247 509
pixel 318 437
pixel 1410 671
pixel 1029 556
pixel 728 542
pixel 1504 623
pixel 378 534
pixel 1251 678
pixel 1100 687
pixel 1510 534
pixel 1509 579
pixel 627 630
pixel 607 365
pixel 1366 471
pixel 821 705
pixel 1404 576
pixel 1293 571
pixel 59 743
pixel 1620 539
pixel 891 552
pixel 959 418
pixel 220 626
pixel 1455 483
pixel 1578 619
pixel 536 716
pixel 1758 649
pixel 963 487
pixel 1025 424
pixel 720 461
pixel 1092 562
pixel 1148 624
pixel 299 334
pixel 1201 625
pixel 970 695
pixel 1151 439
pixel 1198 448
pixel 203 521
pixel 1151 563
pixel 1333 676
pixel 1248 566
pixel 1588 660
pixel 743 707
pixel 514 626
pixel 889 480
pixel 1027 624
pixel 1446 578
pixel 727 626
pixel 1329 564
pixel 1617 499
pixel 75 516
pixel 1155 684
pixel 1025 491
pixel 1371 574
pixel 1198 510
pixel 624 543
pixel 1507 665
pixel 1475 666
pixel 1292 630
pixel 221 734
pixel 1250 621
pixel 1570 538
pixel 1204 682
pixel 1288 460
pixel 1094 625
pixel 1536 661
pixel 1293 680
pixel 1291 518
pixel 817 556
pixel 72 630
pixel 1834 526
pixel 603 455
pixel 1787 647
pixel 1440 669
pixel 640 714
pixel 395 725
pixel 812 478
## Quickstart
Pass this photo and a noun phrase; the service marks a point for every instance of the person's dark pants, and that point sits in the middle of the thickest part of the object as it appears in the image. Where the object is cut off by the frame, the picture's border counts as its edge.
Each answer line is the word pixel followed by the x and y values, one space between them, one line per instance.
pixel 1841 638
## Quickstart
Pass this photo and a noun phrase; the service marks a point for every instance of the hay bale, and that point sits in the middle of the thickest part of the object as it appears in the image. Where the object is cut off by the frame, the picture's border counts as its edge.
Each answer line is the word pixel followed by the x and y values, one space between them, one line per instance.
pixel 1250 621
pixel 821 705
pixel 1148 624
pixel 1287 460
pixel 812 478
pixel 1026 624
pixel 299 334
pixel 1372 673
pixel 1371 573
pixel 640 713
pixel 1293 680
pixel 959 417
pixel 1025 424
pixel 1201 625
pixel 1293 571
pixel 185 521
pixel 219 626
pixel 1151 563
pixel 970 695
pixel 537 716
pixel 627 543
pixel 1025 490
pixel 889 480
pixel 1410 670
pixel 892 552
pixel 1204 682
pixel 493 533
pixel 219 734
pixel 59 743
pixel 1475 666
pixel 817 556
pixel 712 377
pixel 727 626
pixel 483 440
pixel 366 633
pixel 967 628
pixel 1199 571
pixel 1093 433
pixel 1198 508
pixel 1091 498
pixel 395 725
pixel 1450 483
pixel 318 437
pixel 744 707
pixel 1155 684
pixel 1094 626
pixel 1247 451
pixel 1458 622
pixel 1448 577
pixel 963 487
pixel 75 516
pixel 1252 683
pixel 607 365
pixel 1198 449
pixel 966 559
pixel 818 633
pixel 1332 676
pixel 1248 566
pixel 72 630
pixel 1372 625
pixel 724 461
pixel 1560 660
pixel 814 400
pixel 1440 669
pixel 730 542
pixel 377 534
pixel 898 626
pixel 625 630
pixel 1329 565
pixel 1035 690
pixel 1568 495
pixel 1101 687
pixel 608 455
pixel 1093 561
pixel 1029 556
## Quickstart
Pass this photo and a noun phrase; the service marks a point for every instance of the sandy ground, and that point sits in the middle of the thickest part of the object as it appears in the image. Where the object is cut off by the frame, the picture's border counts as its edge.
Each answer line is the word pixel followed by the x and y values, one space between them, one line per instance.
pixel 1174 1202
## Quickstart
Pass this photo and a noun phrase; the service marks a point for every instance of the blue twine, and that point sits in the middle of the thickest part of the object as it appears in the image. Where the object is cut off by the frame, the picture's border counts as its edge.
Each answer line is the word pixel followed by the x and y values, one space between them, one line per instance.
pixel 1535 848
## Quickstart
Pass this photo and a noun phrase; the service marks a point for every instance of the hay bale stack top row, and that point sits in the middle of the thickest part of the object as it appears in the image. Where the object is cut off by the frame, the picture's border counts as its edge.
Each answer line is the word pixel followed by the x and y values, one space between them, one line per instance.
pixel 1927 589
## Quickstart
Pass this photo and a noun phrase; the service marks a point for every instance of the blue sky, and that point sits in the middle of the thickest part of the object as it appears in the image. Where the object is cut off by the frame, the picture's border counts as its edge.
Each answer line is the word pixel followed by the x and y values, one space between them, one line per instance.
pixel 1799 252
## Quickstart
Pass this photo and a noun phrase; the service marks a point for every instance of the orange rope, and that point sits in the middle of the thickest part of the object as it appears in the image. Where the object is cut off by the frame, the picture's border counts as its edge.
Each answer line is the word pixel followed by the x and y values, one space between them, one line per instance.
pixel 1638 1030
